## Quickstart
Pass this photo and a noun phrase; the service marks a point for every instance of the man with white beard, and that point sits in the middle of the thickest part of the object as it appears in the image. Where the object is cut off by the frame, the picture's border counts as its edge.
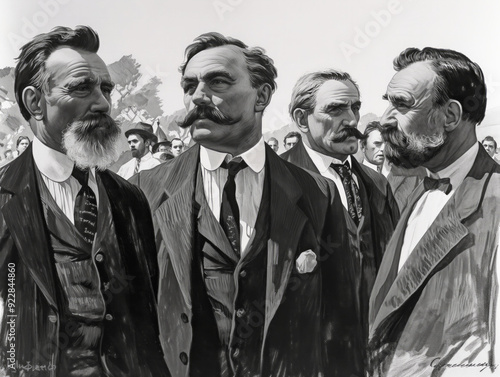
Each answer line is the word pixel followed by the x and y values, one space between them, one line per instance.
pixel 76 280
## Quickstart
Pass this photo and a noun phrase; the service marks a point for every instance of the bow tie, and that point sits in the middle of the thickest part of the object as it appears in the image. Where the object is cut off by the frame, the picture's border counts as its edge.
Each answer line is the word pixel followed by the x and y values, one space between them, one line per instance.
pixel 442 184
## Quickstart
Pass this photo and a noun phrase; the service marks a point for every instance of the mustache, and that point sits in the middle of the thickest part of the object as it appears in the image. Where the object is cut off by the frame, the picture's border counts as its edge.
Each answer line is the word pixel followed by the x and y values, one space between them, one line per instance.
pixel 346 133
pixel 96 126
pixel 205 112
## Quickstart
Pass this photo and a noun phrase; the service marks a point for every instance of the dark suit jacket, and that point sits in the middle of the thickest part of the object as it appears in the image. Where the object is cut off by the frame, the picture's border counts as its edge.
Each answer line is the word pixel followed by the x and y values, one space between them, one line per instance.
pixel 291 344
pixel 130 339
pixel 368 240
pixel 440 308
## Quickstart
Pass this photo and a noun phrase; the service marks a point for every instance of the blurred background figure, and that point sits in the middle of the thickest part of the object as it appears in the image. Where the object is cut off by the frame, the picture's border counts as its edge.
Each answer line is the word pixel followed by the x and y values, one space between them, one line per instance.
pixel 490 145
pixel 273 143
pixel 373 146
pixel 140 140
pixel 177 146
pixel 163 147
pixel 291 139
pixel 8 156
pixel 22 143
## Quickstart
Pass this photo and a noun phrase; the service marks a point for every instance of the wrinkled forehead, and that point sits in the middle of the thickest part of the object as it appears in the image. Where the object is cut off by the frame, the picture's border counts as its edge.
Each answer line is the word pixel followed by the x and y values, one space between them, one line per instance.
pixel 224 58
pixel 417 79
pixel 337 91
pixel 66 63
pixel 374 136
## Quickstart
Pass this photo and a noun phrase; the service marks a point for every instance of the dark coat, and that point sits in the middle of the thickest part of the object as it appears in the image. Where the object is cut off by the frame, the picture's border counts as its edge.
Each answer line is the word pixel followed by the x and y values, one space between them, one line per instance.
pixel 368 240
pixel 440 308
pixel 130 338
pixel 291 343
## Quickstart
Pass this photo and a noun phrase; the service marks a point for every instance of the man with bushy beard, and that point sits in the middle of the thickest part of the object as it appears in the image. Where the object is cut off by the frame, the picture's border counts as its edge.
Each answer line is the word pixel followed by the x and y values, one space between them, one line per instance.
pixel 77 257
pixel 325 107
pixel 433 308
pixel 239 230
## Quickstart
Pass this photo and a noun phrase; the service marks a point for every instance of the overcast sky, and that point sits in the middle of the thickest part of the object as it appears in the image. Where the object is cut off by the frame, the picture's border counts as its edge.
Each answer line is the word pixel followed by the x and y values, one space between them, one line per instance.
pixel 360 37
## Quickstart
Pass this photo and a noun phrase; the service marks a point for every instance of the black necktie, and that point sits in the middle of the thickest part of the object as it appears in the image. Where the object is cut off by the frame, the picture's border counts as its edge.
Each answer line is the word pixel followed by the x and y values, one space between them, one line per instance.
pixel 229 212
pixel 442 184
pixel 354 206
pixel 85 207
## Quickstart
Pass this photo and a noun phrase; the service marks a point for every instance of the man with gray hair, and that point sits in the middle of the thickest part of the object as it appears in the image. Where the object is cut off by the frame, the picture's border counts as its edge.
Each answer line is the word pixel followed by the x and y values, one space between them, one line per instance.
pixel 77 268
pixel 325 107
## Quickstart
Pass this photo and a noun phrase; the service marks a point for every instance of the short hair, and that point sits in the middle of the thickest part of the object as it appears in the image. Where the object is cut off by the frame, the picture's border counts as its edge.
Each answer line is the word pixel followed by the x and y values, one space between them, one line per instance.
pixel 176 138
pixel 30 68
pixel 490 138
pixel 260 66
pixel 370 127
pixel 458 78
pixel 305 90
pixel 292 134
pixel 21 138
pixel 272 139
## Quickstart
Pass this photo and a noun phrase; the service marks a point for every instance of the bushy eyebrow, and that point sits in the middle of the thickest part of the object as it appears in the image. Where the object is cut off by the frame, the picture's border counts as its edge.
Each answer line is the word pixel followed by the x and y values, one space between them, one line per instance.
pixel 89 81
pixel 339 105
pixel 207 77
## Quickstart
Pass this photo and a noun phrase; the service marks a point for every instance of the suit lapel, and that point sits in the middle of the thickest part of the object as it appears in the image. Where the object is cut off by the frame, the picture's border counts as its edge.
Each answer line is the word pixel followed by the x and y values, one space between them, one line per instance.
pixel 299 156
pixel 286 224
pixel 24 218
pixel 209 227
pixel 175 218
pixel 393 289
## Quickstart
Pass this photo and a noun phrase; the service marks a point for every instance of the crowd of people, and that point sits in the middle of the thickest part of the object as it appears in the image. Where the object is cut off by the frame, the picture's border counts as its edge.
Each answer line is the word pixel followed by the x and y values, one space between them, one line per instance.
pixel 229 259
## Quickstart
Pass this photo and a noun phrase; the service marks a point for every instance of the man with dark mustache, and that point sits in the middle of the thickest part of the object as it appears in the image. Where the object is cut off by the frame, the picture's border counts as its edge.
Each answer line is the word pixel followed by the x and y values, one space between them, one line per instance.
pixel 434 303
pixel 239 230
pixel 77 257
pixel 325 107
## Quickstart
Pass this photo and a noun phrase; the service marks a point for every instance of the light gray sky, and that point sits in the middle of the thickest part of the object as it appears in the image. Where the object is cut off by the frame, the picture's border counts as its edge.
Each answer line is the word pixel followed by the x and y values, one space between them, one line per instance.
pixel 361 37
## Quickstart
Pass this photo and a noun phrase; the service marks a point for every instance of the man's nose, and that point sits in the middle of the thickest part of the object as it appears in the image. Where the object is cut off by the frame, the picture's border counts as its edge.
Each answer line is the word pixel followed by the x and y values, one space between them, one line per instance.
pixel 200 96
pixel 101 102
pixel 388 117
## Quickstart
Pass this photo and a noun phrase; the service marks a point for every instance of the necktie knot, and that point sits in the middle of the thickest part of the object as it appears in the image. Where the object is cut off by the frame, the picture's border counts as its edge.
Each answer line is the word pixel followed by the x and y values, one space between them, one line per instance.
pixel 82 176
pixel 234 166
pixel 442 184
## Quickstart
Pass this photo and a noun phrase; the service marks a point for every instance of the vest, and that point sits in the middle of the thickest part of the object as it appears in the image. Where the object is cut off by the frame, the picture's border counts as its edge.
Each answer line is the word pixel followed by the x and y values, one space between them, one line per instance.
pixel 81 304
pixel 235 288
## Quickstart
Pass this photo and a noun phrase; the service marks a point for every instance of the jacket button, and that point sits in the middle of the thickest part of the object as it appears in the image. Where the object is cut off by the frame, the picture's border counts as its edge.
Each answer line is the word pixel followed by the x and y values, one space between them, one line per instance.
pixel 184 358
pixel 184 318
pixel 236 352
pixel 240 313
pixel 108 317
pixel 243 273
pixel 52 318
pixel 99 257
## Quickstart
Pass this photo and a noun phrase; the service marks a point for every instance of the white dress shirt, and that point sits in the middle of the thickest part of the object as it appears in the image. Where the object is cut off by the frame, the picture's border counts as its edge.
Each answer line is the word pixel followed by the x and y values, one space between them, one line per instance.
pixel 432 202
pixel 249 185
pixel 55 168
pixel 322 163
pixel 127 170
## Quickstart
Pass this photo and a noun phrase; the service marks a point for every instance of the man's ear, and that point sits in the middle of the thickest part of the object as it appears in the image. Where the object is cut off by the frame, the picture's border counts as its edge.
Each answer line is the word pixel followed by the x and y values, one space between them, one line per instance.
pixel 32 98
pixel 300 118
pixel 453 115
pixel 264 94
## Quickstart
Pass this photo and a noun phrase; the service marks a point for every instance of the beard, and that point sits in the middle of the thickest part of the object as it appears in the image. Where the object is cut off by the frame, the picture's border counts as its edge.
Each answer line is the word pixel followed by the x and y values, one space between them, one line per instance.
pixel 411 151
pixel 92 141
pixel 205 112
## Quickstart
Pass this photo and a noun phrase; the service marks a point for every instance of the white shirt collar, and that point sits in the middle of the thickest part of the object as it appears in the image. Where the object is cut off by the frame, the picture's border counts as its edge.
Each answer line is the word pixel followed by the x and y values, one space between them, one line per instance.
pixel 51 163
pixel 370 165
pixel 459 169
pixel 322 161
pixel 255 157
